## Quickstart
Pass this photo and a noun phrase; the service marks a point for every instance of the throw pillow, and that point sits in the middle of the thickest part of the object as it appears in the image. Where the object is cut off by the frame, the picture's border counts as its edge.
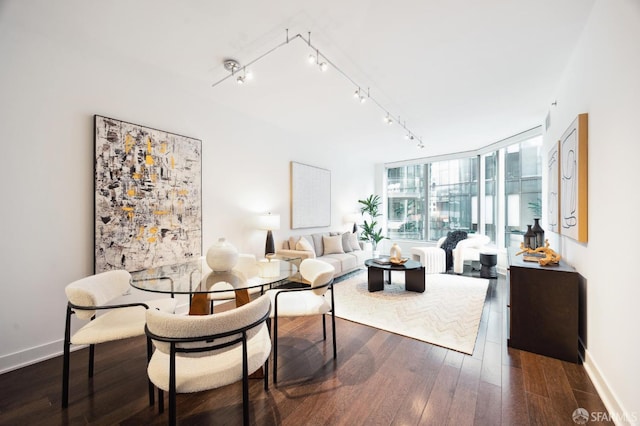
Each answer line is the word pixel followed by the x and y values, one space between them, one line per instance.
pixel 292 242
pixel 353 242
pixel 303 244
pixel 346 245
pixel 332 245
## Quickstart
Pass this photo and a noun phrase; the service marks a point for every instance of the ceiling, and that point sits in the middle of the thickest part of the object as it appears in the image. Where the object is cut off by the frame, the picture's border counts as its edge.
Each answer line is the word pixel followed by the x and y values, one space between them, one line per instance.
pixel 459 74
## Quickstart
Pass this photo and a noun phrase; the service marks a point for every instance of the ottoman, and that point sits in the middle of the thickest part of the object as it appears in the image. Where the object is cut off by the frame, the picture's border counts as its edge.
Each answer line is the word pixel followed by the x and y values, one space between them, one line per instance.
pixel 432 258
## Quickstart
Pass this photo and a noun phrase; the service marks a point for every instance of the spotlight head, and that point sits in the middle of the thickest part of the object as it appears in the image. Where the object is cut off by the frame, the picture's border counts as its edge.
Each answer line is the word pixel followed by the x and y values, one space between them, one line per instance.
pixel 240 79
pixel 356 94
pixel 363 99
pixel 311 59
pixel 323 66
pixel 388 119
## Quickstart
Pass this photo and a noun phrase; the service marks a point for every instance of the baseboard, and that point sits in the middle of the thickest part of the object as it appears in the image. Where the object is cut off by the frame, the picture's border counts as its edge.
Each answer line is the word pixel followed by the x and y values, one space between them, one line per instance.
pixel 36 354
pixel 617 413
pixel 30 356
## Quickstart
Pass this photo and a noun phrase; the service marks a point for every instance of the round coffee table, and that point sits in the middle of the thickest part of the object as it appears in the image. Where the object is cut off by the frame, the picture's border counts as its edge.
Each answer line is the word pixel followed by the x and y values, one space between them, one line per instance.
pixel 413 274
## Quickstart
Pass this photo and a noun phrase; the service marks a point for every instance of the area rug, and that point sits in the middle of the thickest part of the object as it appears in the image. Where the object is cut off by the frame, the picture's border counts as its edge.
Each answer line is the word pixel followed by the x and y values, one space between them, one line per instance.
pixel 447 314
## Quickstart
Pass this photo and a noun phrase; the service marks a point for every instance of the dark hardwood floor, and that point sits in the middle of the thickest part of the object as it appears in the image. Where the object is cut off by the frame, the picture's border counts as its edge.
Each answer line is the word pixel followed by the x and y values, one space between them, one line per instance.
pixel 379 378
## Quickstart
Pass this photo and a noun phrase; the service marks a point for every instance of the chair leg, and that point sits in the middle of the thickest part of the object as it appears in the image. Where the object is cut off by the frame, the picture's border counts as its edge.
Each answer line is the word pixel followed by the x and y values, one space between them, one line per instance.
pixel 92 350
pixel 333 331
pixel 65 361
pixel 266 374
pixel 245 382
pixel 149 353
pixel 275 349
pixel 160 401
pixel 324 328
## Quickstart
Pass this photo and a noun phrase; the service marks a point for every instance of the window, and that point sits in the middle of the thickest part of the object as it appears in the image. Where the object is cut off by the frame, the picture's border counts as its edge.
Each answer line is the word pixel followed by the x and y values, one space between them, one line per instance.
pixel 496 193
pixel 406 202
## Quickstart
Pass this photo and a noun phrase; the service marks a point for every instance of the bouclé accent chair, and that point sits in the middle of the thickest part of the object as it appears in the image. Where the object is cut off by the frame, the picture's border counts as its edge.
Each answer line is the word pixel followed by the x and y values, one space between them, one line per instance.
pixel 200 352
pixel 97 299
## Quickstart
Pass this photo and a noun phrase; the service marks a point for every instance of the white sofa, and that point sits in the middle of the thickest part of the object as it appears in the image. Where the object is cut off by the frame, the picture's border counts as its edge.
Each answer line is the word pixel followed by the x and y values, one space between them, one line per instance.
pixel 335 248
pixel 467 250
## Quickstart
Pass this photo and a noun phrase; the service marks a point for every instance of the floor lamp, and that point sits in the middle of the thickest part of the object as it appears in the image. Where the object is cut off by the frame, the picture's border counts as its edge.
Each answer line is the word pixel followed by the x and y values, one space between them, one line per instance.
pixel 269 222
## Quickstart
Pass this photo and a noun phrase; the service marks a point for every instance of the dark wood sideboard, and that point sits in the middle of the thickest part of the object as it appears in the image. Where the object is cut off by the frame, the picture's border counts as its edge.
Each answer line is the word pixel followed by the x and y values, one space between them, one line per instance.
pixel 543 308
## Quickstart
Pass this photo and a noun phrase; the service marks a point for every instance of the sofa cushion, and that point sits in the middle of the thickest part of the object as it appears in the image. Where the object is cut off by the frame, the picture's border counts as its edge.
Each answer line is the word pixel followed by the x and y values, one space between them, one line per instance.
pixel 332 244
pixel 347 260
pixel 353 242
pixel 304 244
pixel 346 245
pixel 317 242
pixel 361 255
pixel 331 260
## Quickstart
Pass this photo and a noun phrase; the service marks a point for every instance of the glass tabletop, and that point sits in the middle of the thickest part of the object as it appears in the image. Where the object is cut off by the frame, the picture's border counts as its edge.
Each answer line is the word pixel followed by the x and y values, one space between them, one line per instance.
pixel 195 276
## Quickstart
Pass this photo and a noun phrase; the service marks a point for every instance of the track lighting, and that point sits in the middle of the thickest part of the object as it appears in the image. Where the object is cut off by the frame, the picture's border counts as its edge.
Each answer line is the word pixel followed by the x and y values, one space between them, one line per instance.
pixel 234 68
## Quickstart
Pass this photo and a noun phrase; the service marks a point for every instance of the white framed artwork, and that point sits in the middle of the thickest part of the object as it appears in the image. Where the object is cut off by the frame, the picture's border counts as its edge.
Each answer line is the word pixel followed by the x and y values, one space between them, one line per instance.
pixel 310 196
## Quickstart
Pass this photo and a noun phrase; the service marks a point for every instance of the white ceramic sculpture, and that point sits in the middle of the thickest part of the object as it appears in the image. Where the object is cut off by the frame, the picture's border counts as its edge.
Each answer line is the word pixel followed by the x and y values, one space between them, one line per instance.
pixel 222 256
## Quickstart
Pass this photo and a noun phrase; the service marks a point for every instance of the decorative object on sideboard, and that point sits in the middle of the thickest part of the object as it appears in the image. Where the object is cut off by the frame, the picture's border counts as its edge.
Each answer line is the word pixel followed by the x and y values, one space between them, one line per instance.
pixel 537 229
pixel 545 256
pixel 222 256
pixel 269 222
pixel 529 238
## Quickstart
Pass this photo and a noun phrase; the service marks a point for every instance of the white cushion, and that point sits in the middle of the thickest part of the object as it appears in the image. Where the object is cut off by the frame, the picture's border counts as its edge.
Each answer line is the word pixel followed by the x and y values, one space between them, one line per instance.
pixel 353 242
pixel 303 245
pixel 332 244
pixel 346 244
pixel 298 303
pixel 194 374
pixel 119 323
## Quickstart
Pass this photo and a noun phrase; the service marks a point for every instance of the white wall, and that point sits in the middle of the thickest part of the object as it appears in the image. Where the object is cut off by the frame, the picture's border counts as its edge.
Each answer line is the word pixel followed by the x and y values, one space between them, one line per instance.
pixel 602 79
pixel 50 88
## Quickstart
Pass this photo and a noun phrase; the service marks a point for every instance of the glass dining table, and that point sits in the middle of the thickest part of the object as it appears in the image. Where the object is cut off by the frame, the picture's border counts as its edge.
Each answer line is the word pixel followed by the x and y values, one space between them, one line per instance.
pixel 195 278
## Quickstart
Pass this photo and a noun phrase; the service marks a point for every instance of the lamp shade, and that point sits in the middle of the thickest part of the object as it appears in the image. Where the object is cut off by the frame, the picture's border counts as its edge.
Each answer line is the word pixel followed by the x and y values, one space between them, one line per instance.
pixel 352 218
pixel 270 222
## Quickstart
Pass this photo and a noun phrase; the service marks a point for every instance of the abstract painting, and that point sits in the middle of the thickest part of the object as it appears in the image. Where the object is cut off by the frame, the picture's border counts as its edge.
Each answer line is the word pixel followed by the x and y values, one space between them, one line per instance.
pixel 573 184
pixel 310 196
pixel 553 188
pixel 148 199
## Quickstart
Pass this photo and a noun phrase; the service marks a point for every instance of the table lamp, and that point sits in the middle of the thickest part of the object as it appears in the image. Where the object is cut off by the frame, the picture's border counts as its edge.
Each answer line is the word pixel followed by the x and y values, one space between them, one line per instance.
pixel 269 222
pixel 353 217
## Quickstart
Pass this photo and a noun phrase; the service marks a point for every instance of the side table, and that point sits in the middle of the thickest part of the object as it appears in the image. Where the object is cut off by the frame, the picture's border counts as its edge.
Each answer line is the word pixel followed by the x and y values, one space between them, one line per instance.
pixel 488 260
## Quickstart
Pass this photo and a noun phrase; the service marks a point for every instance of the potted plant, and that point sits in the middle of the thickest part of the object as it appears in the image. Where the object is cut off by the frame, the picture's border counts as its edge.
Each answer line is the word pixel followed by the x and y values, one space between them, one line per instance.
pixel 370 231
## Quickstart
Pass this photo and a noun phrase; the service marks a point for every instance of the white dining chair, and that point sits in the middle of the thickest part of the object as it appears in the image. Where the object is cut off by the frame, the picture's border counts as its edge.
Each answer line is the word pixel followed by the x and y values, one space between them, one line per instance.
pixel 305 301
pixel 200 352
pixel 102 300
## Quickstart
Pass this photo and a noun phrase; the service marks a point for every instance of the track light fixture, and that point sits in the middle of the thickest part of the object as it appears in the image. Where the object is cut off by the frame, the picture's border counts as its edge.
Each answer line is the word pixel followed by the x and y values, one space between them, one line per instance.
pixel 234 67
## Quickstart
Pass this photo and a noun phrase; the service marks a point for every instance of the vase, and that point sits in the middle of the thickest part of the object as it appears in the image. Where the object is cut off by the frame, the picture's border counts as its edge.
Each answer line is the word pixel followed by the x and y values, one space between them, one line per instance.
pixel 222 256
pixel 529 238
pixel 395 251
pixel 539 232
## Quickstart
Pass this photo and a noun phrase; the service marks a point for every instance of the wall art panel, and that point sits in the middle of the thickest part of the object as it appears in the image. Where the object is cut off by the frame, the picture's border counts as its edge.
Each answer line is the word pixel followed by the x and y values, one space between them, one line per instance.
pixel 310 196
pixel 553 188
pixel 148 199
pixel 573 185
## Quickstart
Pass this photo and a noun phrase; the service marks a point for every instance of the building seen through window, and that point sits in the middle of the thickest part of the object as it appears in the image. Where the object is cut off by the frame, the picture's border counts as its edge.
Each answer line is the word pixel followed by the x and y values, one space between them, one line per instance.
pixel 426 201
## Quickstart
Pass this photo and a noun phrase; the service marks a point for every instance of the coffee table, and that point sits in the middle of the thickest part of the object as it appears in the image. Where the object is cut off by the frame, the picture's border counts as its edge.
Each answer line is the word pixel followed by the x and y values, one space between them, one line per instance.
pixel 413 275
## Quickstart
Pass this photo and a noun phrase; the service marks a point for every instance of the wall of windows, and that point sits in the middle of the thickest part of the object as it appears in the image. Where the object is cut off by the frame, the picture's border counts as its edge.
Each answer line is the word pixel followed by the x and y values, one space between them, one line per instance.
pixel 497 193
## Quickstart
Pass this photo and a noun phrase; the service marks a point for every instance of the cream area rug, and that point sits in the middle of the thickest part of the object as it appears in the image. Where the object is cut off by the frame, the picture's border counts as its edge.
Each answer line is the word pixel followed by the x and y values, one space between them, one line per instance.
pixel 447 314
